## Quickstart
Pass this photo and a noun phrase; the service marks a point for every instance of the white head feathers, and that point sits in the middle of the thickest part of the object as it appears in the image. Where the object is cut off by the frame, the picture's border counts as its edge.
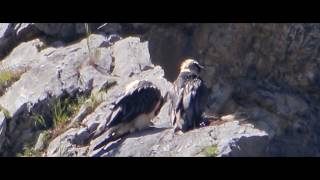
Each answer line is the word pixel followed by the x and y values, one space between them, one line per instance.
pixel 190 65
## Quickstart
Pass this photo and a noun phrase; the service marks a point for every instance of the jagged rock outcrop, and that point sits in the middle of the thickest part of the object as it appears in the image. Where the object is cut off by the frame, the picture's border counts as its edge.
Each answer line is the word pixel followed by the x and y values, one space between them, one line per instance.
pixel 274 64
pixel 11 34
pixel 136 52
pixel 53 73
pixel 263 78
pixel 229 139
pixel 156 140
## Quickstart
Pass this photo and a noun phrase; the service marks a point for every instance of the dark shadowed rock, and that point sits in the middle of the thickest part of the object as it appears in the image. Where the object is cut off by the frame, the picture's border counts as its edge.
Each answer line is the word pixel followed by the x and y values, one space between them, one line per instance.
pixel 3 126
pixel 62 30
pixel 5 37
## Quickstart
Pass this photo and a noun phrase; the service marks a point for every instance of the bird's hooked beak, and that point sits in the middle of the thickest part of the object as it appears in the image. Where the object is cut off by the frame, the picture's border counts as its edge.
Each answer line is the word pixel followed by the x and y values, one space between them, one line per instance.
pixel 200 66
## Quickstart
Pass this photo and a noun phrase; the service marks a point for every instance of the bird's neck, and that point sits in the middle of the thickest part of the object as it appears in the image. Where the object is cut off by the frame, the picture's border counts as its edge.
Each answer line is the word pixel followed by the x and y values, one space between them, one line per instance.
pixel 188 75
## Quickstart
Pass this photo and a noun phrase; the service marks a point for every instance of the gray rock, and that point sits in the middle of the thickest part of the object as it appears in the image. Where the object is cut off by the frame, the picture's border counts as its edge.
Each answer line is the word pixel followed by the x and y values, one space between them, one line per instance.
pixel 11 34
pixel 82 136
pixel 64 146
pixel 131 57
pixel 105 62
pixel 279 60
pixel 83 112
pixel 54 72
pixel 230 139
pixel 3 126
pixel 61 146
pixel 220 94
pixel 23 56
pixel 41 142
pixel 161 141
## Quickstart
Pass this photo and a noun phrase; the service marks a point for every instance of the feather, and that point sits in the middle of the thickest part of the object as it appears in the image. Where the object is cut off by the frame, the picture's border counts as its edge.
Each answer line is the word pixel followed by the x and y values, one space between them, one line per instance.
pixel 189 104
pixel 139 98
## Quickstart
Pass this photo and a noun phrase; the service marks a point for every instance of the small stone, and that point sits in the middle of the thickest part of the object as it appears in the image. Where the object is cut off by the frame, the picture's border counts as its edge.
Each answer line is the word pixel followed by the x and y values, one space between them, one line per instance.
pixel 41 142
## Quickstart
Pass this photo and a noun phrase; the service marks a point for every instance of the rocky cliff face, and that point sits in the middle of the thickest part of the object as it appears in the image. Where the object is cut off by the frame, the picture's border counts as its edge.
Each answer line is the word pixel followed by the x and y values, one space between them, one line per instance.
pixel 263 80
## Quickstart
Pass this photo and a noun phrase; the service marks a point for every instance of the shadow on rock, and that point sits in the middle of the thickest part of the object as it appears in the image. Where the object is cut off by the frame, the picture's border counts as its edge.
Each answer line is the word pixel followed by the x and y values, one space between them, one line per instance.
pixel 114 146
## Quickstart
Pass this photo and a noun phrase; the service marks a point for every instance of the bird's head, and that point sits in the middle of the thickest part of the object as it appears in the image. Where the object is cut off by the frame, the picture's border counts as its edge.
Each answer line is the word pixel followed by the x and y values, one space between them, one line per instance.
pixel 191 65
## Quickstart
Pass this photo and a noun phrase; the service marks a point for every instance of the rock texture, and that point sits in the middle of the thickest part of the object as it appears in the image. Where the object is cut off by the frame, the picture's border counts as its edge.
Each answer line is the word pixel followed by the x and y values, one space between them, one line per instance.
pixel 11 34
pixel 53 73
pixel 263 78
pixel 3 125
pixel 272 68
pixel 230 139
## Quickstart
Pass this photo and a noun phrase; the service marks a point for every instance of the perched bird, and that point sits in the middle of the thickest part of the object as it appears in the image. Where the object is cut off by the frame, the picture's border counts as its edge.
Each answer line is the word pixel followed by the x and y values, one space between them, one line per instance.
pixel 190 97
pixel 133 111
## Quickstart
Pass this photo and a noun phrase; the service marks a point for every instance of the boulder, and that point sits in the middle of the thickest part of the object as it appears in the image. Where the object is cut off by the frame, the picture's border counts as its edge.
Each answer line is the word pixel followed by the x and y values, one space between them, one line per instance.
pixel 61 146
pixel 229 139
pixel 41 142
pixel 131 57
pixel 11 34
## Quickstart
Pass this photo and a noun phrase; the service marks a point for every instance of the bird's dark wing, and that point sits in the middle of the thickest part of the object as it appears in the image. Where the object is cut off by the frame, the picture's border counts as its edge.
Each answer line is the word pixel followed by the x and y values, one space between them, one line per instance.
pixel 190 97
pixel 140 100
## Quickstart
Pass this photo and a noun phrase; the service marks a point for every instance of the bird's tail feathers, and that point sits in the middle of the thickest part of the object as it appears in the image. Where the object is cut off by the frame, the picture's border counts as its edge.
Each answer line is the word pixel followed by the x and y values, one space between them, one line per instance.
pixel 104 142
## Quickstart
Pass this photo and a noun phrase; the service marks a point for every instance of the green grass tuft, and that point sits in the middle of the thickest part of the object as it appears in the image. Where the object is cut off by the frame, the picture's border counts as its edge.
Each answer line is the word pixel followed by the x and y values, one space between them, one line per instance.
pixel 39 120
pixel 63 110
pixel 60 113
pixel 29 151
pixel 5 112
pixel 7 78
pixel 211 151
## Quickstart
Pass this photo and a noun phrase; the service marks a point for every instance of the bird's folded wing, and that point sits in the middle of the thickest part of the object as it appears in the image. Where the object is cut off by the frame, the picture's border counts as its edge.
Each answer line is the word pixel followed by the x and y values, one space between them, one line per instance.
pixel 132 104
